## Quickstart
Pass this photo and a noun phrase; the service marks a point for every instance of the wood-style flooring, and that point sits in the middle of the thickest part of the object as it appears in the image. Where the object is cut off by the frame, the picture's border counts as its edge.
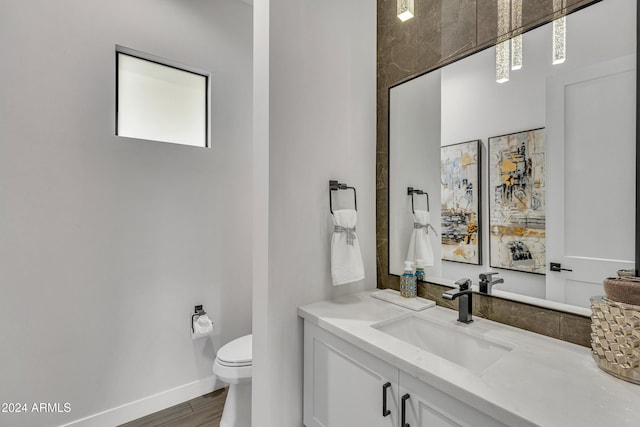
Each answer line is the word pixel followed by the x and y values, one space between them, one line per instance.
pixel 203 411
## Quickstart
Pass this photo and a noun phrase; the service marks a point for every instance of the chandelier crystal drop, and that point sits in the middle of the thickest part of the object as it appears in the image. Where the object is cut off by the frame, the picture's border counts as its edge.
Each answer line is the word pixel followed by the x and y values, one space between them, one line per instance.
pixel 405 9
pixel 559 33
pixel 516 42
pixel 503 47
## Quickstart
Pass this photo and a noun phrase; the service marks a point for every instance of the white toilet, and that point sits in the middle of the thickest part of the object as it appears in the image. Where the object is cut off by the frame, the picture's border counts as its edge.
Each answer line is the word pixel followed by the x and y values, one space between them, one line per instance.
pixel 233 365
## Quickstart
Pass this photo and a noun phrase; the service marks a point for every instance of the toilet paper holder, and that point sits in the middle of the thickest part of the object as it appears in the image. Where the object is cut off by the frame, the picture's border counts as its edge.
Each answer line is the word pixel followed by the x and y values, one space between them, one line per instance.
pixel 198 311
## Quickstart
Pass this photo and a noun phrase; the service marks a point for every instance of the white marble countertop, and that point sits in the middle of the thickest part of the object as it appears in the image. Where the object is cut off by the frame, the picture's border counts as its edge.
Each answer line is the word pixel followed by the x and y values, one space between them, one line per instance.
pixel 543 380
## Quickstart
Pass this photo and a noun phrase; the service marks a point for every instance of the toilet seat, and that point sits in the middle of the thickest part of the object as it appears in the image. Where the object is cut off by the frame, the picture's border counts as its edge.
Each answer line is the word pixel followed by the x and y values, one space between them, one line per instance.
pixel 234 364
pixel 232 374
pixel 236 352
pixel 234 361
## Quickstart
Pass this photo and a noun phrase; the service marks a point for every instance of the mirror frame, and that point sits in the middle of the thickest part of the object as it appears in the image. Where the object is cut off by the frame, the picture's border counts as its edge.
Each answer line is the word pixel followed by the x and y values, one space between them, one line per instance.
pixel 387 208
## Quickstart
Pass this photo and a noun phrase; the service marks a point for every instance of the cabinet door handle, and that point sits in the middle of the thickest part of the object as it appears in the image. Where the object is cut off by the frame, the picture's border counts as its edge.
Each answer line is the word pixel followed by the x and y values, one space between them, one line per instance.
pixel 385 411
pixel 403 422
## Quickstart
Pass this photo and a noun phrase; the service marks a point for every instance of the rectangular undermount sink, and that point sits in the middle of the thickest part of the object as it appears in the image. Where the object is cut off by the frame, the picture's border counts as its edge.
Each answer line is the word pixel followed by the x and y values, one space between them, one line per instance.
pixel 460 347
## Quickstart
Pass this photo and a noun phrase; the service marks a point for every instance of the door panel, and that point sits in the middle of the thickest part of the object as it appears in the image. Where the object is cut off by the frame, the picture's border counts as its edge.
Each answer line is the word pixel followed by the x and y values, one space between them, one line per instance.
pixel 346 393
pixel 420 413
pixel 590 178
pixel 346 384
pixel 429 407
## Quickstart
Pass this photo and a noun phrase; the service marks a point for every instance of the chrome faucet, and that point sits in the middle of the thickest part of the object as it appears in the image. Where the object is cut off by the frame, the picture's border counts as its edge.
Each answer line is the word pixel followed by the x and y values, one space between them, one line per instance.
pixel 487 282
pixel 465 303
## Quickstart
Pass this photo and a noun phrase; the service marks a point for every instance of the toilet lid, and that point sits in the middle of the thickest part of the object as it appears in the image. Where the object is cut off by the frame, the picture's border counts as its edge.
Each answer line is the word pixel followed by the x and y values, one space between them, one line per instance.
pixel 237 352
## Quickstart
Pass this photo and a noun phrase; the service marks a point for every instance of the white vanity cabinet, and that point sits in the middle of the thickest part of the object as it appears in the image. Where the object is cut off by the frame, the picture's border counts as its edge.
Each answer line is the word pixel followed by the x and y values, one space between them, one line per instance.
pixel 352 348
pixel 427 406
pixel 344 386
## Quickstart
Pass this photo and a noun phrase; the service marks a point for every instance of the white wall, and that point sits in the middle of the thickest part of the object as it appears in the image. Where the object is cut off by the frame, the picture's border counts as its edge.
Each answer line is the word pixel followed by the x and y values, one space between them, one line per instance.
pixel 495 109
pixel 107 243
pixel 414 160
pixel 320 79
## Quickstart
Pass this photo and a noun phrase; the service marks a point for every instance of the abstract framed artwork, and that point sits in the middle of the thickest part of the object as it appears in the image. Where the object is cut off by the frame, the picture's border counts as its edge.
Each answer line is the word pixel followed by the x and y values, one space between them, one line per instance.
pixel 460 202
pixel 517 201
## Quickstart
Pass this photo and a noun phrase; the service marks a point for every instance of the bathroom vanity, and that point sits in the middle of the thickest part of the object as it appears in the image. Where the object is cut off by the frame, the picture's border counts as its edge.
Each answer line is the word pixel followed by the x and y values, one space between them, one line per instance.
pixel 371 363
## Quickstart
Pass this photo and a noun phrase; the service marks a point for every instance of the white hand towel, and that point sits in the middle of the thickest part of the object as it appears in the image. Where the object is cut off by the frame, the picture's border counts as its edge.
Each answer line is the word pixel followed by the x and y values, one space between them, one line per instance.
pixel 420 244
pixel 346 260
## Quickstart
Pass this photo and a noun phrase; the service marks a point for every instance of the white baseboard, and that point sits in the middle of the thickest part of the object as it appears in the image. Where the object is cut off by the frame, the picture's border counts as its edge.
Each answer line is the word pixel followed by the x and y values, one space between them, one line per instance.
pixel 148 405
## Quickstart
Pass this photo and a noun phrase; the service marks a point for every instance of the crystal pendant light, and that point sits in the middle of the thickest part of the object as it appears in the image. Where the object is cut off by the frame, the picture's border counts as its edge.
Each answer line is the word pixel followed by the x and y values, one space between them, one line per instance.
pixel 516 42
pixel 503 47
pixel 516 52
pixel 559 33
pixel 502 62
pixel 405 9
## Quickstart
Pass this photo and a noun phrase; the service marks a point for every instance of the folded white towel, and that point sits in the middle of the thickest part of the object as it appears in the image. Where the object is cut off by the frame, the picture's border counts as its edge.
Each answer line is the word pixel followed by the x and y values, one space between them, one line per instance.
pixel 346 260
pixel 420 244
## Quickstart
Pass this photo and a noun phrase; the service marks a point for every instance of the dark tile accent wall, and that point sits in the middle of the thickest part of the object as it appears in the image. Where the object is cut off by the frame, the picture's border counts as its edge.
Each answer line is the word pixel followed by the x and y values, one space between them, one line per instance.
pixel 440 33
pixel 556 324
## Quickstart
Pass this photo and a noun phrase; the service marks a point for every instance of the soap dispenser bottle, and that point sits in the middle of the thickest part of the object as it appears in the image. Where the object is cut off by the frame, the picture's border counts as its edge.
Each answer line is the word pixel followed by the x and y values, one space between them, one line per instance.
pixel 419 270
pixel 408 287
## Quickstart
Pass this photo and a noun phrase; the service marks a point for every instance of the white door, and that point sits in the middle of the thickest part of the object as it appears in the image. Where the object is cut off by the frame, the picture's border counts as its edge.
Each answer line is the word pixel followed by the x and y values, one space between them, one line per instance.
pixel 590 180
pixel 345 386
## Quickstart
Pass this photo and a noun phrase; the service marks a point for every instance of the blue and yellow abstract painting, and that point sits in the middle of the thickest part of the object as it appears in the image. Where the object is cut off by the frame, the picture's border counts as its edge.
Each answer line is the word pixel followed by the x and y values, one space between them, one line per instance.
pixel 517 201
pixel 460 202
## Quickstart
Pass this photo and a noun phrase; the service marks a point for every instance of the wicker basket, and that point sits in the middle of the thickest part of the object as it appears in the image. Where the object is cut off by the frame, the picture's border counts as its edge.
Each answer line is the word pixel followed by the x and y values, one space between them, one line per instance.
pixel 615 338
pixel 623 289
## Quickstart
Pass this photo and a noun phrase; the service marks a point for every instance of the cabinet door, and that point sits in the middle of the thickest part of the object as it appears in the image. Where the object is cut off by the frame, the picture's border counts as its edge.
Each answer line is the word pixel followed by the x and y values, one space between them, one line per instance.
pixel 430 407
pixel 344 386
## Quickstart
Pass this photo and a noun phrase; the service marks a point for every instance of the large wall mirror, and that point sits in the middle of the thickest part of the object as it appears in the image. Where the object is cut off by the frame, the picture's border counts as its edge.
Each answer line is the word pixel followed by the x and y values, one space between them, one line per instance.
pixel 537 170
